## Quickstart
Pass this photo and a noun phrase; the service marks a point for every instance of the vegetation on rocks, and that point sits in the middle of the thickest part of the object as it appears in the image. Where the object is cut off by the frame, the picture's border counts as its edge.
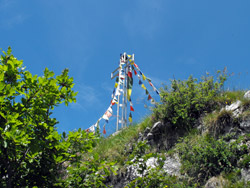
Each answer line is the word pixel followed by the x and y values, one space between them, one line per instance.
pixel 214 144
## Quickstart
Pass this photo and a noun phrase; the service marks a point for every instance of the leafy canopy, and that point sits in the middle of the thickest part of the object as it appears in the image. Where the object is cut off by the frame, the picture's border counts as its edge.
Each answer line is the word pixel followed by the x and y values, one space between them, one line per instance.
pixel 30 146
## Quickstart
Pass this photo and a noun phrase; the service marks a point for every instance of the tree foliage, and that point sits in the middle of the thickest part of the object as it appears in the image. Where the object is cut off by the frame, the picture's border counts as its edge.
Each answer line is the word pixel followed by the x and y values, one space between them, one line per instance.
pixel 31 147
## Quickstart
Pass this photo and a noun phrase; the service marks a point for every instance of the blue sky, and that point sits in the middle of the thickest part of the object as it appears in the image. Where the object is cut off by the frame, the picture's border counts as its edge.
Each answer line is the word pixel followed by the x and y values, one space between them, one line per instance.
pixel 170 38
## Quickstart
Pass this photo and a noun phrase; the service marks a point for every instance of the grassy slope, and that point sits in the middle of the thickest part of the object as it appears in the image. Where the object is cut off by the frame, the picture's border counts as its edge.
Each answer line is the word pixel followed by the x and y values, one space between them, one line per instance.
pixel 113 148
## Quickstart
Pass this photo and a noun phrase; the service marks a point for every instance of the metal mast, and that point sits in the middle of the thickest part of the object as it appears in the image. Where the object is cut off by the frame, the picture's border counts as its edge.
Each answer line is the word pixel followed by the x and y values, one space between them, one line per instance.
pixel 122 73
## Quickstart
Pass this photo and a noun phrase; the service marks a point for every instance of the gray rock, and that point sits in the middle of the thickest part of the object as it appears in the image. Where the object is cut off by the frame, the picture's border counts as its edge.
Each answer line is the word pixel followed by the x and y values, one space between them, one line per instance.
pixel 216 182
pixel 245 174
pixel 152 162
pixel 245 125
pixel 235 108
pixel 150 136
pixel 172 165
pixel 156 127
pixel 146 131
pixel 247 95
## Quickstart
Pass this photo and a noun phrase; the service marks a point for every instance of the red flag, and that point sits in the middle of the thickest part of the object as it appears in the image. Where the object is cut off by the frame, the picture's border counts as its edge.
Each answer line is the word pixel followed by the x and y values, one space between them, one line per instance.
pixel 135 72
pixel 130 74
pixel 135 65
pixel 149 97
pixel 151 84
pixel 104 131
pixel 131 108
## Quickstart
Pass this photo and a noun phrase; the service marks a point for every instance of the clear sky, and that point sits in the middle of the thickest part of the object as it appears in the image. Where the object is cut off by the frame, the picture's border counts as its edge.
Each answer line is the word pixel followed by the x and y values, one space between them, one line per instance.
pixel 170 38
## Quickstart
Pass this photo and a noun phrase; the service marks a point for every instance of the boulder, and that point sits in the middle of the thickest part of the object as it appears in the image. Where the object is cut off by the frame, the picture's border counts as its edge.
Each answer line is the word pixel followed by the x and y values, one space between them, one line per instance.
pixel 245 125
pixel 216 182
pixel 172 165
pixel 157 127
pixel 245 174
pixel 152 162
pixel 150 136
pixel 235 108
pixel 247 95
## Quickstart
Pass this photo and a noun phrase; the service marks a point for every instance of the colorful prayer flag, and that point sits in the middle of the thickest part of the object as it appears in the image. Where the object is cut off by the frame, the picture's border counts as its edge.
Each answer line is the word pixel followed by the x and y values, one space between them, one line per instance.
pixel 92 129
pixel 143 77
pixel 147 92
pixel 140 82
pixel 104 131
pixel 135 72
pixel 116 84
pixel 129 84
pixel 149 97
pixel 143 86
pixel 130 117
pixel 131 108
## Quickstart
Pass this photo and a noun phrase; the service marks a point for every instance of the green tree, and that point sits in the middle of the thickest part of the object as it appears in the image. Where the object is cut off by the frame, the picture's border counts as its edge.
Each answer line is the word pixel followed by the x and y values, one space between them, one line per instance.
pixel 31 149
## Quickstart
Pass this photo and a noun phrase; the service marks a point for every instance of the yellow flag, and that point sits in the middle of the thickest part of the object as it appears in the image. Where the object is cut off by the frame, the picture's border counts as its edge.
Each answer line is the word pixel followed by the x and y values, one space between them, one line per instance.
pixel 129 92
pixel 129 56
pixel 130 119
pixel 116 84
pixel 143 77
pixel 143 86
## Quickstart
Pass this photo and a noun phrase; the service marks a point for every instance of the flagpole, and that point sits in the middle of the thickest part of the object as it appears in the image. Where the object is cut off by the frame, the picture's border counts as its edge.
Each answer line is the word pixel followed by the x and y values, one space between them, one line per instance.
pixel 118 102
pixel 125 91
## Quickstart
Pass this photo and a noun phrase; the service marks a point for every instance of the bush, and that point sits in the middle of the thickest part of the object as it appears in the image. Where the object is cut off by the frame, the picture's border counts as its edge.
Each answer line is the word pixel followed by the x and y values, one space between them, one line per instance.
pixel 208 157
pixel 186 100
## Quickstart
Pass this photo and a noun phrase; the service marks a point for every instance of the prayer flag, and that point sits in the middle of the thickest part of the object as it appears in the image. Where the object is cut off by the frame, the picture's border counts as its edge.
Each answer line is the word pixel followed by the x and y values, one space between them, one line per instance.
pixel 92 129
pixel 151 84
pixel 131 108
pixel 148 79
pixel 104 131
pixel 149 97
pixel 147 92
pixel 130 74
pixel 129 84
pixel 97 123
pixel 129 92
pixel 140 72
pixel 135 65
pixel 130 117
pixel 109 112
pixel 152 101
pixel 140 82
pixel 143 86
pixel 116 84
pixel 143 77
pixel 157 92
pixel 135 72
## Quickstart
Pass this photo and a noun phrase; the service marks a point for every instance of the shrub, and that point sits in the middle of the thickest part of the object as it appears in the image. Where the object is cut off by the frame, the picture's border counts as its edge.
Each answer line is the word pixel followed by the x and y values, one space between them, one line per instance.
pixel 186 100
pixel 208 157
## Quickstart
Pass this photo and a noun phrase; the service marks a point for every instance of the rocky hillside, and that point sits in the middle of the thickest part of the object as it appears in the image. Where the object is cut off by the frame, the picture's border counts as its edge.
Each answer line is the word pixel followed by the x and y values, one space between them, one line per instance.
pixel 198 136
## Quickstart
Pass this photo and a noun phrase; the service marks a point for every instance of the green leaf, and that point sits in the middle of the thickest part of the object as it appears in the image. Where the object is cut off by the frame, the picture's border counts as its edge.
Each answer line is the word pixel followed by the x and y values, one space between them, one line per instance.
pixel 9 51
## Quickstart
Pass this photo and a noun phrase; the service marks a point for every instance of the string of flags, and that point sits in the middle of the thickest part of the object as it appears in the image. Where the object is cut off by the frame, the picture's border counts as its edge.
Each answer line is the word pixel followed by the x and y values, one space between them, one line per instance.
pixel 120 81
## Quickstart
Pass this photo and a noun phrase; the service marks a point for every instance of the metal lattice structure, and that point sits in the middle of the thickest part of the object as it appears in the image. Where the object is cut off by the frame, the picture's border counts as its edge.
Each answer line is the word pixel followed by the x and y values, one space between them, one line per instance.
pixel 121 72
